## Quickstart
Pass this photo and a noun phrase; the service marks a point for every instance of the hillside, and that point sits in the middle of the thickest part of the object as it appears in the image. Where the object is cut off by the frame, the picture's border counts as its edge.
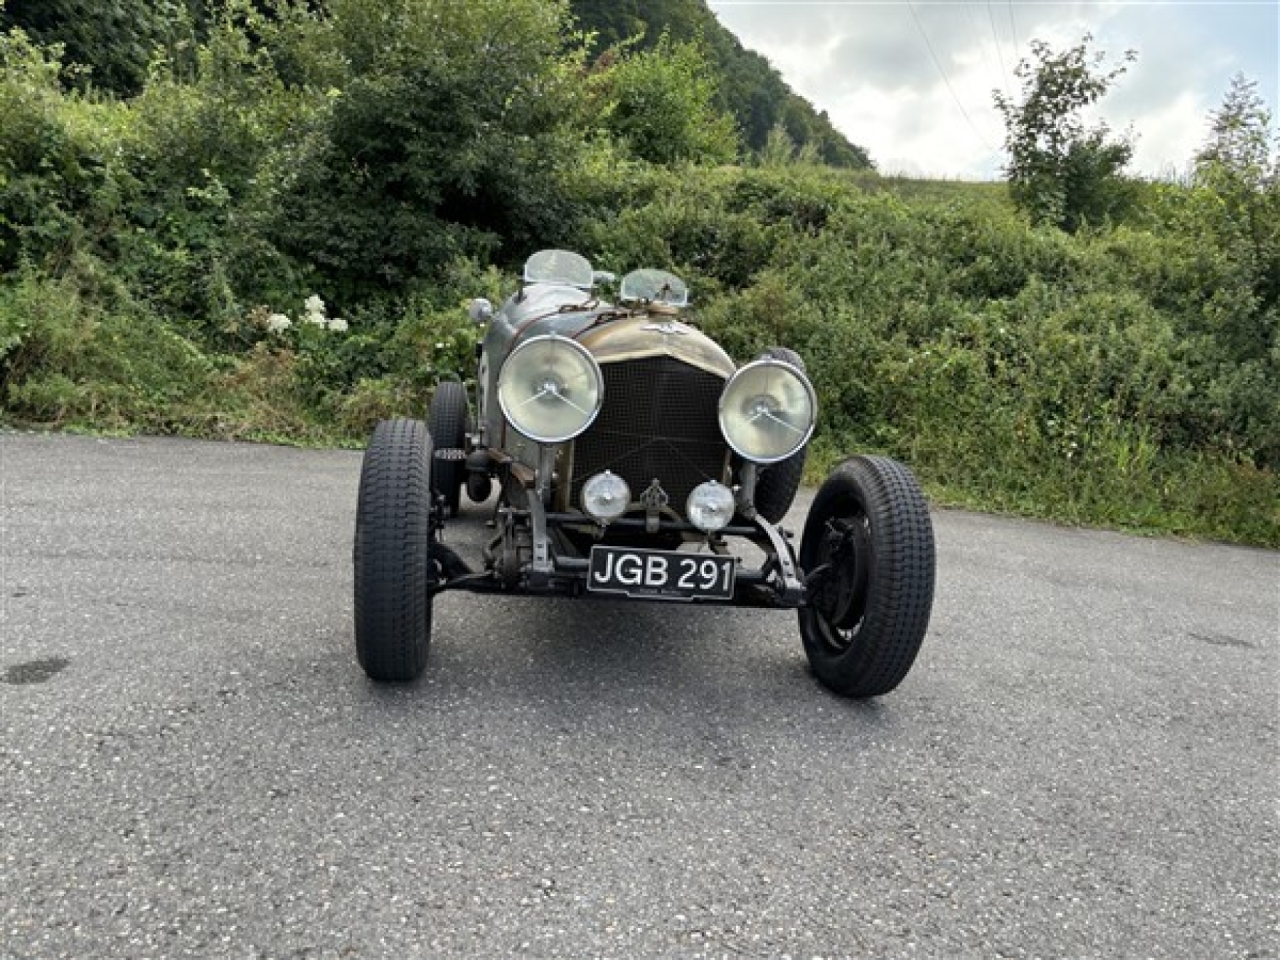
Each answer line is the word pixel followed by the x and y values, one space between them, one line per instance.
pixel 115 39
pixel 274 236
pixel 750 89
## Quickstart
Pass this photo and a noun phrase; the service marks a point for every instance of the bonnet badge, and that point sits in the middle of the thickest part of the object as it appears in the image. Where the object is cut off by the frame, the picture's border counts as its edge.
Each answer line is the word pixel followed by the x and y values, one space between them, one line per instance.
pixel 667 329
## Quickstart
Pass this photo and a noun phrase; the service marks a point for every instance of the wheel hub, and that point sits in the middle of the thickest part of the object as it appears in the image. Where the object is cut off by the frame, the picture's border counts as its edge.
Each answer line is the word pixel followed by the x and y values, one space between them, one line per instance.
pixel 841 596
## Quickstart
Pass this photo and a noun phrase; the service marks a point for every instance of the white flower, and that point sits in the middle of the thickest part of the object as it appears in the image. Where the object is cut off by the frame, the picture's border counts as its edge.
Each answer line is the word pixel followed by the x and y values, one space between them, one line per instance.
pixel 338 324
pixel 278 323
pixel 315 311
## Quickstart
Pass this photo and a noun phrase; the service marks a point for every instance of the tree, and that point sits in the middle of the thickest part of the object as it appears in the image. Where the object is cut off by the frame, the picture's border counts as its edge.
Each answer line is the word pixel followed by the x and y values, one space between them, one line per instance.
pixel 114 39
pixel 1240 142
pixel 451 133
pixel 1237 180
pixel 779 150
pixel 747 86
pixel 661 103
pixel 1060 171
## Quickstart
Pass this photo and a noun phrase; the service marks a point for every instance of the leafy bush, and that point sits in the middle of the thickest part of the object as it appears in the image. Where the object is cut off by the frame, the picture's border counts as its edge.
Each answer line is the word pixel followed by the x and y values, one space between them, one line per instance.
pixel 57 180
pixel 1061 172
pixel 164 260
pixel 450 135
pixel 1012 366
pixel 112 41
pixel 69 361
pixel 660 103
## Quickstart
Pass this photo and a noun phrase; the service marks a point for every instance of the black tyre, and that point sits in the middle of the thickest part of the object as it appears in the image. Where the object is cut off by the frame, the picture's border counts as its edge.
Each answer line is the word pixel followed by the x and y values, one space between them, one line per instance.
pixel 393 569
pixel 778 483
pixel 448 425
pixel 868 553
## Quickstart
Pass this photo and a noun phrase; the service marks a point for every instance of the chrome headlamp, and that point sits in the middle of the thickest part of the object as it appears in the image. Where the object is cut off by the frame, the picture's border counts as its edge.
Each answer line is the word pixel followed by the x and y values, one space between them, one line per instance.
pixel 767 411
pixel 550 389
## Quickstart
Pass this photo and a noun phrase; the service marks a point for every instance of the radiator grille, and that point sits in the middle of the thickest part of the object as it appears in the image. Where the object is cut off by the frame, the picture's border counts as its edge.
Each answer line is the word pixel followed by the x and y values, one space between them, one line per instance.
pixel 658 421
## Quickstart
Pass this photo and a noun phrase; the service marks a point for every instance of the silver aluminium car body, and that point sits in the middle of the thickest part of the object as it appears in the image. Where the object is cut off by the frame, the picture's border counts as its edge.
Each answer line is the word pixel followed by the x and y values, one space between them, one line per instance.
pixel 631 455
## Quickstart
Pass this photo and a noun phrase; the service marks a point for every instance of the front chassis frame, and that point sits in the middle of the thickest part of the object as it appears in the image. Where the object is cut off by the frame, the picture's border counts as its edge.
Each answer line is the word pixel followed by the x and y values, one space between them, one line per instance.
pixel 861 579
pixel 553 569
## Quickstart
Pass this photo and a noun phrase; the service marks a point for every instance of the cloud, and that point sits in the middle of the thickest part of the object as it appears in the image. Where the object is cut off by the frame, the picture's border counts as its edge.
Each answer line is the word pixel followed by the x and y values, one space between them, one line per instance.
pixel 1170 136
pixel 912 81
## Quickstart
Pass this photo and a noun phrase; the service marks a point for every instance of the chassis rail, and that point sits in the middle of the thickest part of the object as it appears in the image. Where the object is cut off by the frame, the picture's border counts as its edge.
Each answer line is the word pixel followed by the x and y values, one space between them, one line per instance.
pixel 775 584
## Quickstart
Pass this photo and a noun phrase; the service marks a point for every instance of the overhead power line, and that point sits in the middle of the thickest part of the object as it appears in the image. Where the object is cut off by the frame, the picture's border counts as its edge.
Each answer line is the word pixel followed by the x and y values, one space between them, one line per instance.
pixel 995 38
pixel 1013 31
pixel 945 79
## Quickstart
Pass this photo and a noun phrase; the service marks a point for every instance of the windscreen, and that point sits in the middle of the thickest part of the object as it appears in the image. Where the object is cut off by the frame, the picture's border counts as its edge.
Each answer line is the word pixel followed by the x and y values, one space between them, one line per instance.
pixel 654 286
pixel 558 266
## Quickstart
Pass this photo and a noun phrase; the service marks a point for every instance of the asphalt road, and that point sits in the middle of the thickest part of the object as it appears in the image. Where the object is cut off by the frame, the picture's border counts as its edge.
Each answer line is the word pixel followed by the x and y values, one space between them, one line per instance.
pixel 1082 763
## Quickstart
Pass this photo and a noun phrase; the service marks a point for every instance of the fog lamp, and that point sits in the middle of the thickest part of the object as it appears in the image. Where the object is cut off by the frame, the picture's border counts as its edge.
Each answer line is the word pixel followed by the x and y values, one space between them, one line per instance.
pixel 606 496
pixel 710 506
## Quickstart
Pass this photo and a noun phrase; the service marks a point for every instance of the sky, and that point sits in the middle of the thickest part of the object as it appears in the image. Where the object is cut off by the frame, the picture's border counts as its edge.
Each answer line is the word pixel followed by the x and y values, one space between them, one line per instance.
pixel 911 80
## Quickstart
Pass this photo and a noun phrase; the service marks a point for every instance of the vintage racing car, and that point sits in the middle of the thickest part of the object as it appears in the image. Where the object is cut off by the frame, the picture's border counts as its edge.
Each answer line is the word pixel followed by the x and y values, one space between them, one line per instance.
pixel 633 459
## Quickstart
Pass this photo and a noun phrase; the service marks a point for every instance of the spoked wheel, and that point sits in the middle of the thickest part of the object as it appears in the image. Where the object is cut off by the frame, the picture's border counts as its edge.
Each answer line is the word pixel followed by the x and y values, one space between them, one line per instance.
pixel 868 554
pixel 448 425
pixel 393 568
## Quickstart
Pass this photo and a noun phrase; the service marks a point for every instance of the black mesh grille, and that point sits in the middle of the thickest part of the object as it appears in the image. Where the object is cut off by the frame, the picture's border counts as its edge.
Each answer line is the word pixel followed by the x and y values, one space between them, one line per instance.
pixel 659 421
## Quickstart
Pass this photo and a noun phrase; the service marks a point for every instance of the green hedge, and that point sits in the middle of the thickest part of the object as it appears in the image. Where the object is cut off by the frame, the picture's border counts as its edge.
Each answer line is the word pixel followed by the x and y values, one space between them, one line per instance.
pixel 158 254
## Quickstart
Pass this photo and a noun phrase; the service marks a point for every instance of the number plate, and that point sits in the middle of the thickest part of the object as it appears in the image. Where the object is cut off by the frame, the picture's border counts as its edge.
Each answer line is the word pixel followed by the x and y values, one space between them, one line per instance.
pixel 661 574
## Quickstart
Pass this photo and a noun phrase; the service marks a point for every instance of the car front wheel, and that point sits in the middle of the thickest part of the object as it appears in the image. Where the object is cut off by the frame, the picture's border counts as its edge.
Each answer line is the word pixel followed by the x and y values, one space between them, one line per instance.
pixel 393 568
pixel 868 555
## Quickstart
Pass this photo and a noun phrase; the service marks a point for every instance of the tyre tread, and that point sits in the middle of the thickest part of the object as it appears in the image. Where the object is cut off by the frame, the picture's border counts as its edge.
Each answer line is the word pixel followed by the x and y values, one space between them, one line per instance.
pixel 448 427
pixel 393 570
pixel 901 598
